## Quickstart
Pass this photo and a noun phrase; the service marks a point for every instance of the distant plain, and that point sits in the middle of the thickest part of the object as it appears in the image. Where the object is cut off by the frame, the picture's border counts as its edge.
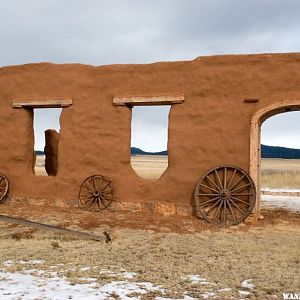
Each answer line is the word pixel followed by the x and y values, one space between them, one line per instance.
pixel 275 172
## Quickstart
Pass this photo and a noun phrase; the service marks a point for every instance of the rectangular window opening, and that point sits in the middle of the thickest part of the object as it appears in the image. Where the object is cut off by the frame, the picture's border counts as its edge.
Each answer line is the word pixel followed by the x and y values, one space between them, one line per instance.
pixel 149 140
pixel 46 128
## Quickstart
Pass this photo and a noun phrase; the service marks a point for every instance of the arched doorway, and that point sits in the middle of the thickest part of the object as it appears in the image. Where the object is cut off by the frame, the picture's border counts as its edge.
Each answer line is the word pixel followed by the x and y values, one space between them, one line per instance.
pixel 255 149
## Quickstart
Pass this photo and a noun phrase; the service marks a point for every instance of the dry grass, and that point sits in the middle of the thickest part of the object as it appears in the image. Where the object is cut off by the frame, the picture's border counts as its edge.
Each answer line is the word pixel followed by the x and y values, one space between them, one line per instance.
pixel 39 167
pixel 149 167
pixel 276 173
pixel 280 173
pixel 268 255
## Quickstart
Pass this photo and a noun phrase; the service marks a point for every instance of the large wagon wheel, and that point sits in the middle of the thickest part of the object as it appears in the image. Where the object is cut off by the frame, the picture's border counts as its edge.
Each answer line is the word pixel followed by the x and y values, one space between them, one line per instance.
pixel 96 192
pixel 225 195
pixel 3 187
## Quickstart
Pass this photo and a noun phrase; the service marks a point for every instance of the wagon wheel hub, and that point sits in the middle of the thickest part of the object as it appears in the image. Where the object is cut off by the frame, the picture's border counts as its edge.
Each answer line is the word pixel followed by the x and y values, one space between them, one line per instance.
pixel 225 194
pixel 96 193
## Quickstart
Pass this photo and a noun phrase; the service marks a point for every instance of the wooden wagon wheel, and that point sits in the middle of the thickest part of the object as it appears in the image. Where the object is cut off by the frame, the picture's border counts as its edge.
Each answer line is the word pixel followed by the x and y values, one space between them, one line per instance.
pixel 224 195
pixel 3 187
pixel 96 192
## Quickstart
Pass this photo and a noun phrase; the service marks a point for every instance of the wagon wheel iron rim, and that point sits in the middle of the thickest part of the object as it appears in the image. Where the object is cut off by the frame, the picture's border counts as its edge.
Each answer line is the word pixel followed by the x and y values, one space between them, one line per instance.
pixel 3 187
pixel 225 195
pixel 96 192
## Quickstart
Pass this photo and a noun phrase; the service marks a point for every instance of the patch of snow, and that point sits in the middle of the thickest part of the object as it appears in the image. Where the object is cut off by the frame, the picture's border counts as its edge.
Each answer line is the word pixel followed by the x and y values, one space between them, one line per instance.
pixel 85 269
pixel 197 279
pixel 186 297
pixel 90 279
pixel 224 290
pixel 31 262
pixel 8 263
pixel 284 190
pixel 28 287
pixel 34 272
pixel 286 202
pixel 244 293
pixel 208 295
pixel 247 284
pixel 127 275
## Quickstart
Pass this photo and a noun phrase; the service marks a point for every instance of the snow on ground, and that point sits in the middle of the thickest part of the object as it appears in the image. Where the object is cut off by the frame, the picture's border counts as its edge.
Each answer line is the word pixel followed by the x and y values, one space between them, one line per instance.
pixel 284 190
pixel 31 284
pixel 197 279
pixel 284 202
pixel 28 287
pixel 247 284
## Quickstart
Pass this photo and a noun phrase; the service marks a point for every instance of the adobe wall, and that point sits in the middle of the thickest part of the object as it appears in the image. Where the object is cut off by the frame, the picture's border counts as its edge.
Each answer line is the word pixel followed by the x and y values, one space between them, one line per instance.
pixel 211 128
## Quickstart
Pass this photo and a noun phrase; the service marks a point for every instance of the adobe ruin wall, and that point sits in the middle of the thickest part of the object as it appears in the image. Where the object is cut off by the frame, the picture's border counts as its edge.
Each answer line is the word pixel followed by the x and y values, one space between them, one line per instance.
pixel 210 128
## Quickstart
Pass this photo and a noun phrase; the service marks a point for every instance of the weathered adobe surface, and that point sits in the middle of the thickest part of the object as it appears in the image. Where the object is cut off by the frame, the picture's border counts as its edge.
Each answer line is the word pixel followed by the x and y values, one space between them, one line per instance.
pixel 211 128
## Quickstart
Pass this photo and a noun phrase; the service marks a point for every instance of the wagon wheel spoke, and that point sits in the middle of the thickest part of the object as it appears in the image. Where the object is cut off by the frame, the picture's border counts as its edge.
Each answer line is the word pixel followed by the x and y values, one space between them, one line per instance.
pixel 215 204
pixel 239 200
pixel 216 214
pixel 96 192
pixel 228 199
pixel 100 184
pixel 94 182
pixel 235 184
pixel 106 186
pixel 218 188
pixel 240 188
pixel 209 201
pixel 225 179
pixel 236 205
pixel 208 187
pixel 219 180
pixel 87 200
pixel 231 210
pixel 231 179
pixel 89 186
pixel 107 192
pixel 98 202
pixel 224 212
pixel 90 203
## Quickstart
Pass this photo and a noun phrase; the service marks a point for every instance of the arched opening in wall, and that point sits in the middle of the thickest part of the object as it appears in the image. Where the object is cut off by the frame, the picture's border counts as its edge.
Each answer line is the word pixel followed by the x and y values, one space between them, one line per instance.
pixel 149 140
pixel 46 128
pixel 280 161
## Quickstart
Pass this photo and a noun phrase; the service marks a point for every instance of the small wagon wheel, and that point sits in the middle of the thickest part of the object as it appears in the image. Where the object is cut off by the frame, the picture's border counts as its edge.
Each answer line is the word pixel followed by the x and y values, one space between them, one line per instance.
pixel 225 195
pixel 3 187
pixel 96 192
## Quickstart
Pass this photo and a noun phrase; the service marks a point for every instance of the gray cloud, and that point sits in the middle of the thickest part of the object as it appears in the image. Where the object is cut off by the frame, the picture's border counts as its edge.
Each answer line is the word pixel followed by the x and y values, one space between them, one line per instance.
pixel 282 130
pixel 139 31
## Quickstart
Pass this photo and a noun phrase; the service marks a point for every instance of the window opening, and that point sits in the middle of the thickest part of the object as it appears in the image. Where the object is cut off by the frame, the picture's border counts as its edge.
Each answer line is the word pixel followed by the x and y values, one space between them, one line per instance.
pixel 46 128
pixel 149 140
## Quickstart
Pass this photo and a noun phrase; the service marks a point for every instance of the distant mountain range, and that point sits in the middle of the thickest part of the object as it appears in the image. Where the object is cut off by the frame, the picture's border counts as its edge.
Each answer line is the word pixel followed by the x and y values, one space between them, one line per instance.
pixel 266 151
pixel 138 151
pixel 279 152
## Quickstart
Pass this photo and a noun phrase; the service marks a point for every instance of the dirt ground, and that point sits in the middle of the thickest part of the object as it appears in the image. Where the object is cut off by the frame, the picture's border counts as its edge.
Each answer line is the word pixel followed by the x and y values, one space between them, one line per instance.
pixel 163 250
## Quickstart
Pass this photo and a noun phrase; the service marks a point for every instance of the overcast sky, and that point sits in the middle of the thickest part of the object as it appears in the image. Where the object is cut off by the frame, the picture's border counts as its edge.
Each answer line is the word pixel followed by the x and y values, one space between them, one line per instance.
pixel 138 31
